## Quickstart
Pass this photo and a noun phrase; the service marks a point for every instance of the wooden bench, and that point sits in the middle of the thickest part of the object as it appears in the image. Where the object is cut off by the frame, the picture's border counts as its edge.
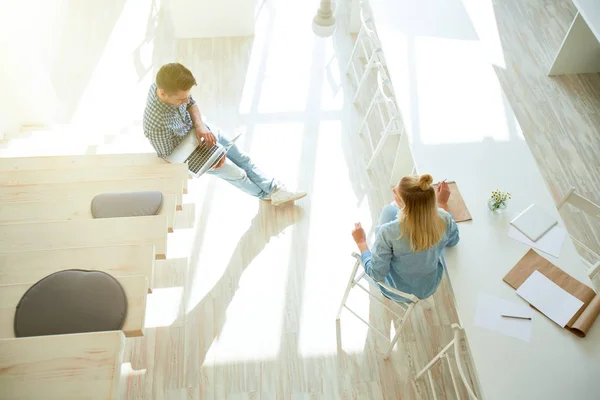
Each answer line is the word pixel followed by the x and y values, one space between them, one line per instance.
pixel 71 208
pixel 61 191
pixel 120 260
pixel 39 176
pixel 135 287
pixel 85 365
pixel 79 161
pixel 86 233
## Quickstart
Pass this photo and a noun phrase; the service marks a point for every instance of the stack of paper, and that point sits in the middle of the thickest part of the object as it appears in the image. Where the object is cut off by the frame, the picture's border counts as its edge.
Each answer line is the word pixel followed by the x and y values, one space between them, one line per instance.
pixel 551 243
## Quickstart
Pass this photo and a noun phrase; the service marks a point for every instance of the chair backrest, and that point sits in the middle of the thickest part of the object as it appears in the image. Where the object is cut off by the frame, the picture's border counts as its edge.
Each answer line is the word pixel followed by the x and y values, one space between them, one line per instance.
pixel 443 355
pixel 457 355
pixel 411 297
pixel 580 202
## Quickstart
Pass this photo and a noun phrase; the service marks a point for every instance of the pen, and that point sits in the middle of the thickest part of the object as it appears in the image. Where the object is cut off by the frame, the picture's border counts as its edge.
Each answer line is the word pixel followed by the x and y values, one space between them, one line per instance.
pixel 516 317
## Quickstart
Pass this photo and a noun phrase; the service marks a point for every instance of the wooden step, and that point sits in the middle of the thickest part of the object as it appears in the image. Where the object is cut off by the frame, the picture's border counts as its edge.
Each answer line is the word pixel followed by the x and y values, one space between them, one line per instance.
pixel 135 287
pixel 78 161
pixel 40 176
pixel 119 260
pixel 71 208
pixel 85 365
pixel 86 233
pixel 61 191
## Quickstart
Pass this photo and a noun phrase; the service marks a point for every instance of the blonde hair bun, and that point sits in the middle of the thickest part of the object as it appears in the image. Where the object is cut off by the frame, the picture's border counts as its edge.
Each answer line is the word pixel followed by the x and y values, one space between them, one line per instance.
pixel 425 181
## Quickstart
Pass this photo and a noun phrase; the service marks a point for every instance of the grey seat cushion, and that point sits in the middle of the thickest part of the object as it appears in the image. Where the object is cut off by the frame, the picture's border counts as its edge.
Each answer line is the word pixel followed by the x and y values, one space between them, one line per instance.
pixel 71 301
pixel 135 204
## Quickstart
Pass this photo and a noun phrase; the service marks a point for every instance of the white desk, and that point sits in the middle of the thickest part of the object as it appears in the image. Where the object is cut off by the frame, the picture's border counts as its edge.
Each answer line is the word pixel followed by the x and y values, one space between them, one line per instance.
pixel 580 51
pixel 462 129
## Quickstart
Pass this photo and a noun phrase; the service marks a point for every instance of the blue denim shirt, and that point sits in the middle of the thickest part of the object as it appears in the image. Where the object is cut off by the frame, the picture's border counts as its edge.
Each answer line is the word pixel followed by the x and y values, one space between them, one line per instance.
pixel 393 262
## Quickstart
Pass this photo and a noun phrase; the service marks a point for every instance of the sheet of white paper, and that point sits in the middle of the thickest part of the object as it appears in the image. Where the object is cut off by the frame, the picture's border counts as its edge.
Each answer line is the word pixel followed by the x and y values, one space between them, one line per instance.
pixel 551 243
pixel 489 315
pixel 552 300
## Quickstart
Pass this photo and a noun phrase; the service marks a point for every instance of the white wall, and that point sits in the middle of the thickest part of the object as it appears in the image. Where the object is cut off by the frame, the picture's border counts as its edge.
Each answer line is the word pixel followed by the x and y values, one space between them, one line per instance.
pixel 30 34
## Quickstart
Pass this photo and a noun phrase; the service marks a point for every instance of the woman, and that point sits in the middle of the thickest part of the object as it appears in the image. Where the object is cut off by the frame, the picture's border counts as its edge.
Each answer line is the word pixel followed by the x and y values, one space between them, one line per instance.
pixel 410 240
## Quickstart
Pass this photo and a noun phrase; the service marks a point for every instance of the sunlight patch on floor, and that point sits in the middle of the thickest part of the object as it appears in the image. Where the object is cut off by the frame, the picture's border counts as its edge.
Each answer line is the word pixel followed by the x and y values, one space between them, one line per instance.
pixel 45 142
pixel 260 44
pixel 276 150
pixel 255 317
pixel 118 86
pixel 334 209
pixel 289 60
pixel 226 215
pixel 163 306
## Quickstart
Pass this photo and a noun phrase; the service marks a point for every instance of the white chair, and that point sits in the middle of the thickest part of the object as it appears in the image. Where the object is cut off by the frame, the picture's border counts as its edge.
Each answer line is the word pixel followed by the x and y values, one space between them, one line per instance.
pixel 404 162
pixel 443 355
pixel 592 209
pixel 366 47
pixel 400 319
pixel 388 116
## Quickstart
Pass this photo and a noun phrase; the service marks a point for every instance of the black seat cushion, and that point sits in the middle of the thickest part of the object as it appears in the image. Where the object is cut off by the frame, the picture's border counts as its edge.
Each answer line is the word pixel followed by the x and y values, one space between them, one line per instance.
pixel 71 301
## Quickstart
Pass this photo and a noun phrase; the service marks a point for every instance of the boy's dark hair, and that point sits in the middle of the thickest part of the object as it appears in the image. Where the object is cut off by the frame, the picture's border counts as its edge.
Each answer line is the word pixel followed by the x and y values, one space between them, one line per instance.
pixel 174 77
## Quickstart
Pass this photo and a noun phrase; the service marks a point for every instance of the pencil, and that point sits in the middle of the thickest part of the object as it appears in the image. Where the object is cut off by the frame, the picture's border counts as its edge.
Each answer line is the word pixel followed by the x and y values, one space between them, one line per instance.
pixel 516 317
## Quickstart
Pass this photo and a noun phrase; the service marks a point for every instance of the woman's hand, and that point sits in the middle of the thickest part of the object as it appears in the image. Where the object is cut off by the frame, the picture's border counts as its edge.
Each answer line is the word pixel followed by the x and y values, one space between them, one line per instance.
pixel 360 237
pixel 358 234
pixel 443 194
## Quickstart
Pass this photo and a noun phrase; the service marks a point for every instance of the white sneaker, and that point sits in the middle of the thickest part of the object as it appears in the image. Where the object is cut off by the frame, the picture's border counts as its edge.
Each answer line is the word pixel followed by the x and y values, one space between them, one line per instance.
pixel 282 196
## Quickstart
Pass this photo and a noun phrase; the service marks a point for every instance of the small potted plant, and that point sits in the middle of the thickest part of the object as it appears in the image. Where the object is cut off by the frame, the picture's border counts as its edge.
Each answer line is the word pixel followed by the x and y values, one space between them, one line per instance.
pixel 498 200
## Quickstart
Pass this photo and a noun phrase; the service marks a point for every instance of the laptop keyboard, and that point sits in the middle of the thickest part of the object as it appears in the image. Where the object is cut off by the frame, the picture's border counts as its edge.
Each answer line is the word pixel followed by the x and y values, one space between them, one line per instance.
pixel 199 157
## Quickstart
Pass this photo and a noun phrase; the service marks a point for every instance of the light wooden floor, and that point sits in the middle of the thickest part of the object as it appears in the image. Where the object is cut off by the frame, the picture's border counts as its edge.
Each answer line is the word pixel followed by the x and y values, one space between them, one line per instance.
pixel 559 115
pixel 259 306
pixel 245 307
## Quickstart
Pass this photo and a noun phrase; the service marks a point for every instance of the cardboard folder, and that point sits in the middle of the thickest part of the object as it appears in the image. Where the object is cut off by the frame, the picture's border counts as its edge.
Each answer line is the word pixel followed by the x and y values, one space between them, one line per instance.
pixel 583 320
pixel 456 204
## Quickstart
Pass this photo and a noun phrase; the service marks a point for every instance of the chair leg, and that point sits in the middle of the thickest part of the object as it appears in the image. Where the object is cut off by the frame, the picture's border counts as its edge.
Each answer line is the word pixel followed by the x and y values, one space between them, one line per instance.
pixel 348 287
pixel 398 331
pixel 338 334
pixel 338 327
pixel 394 340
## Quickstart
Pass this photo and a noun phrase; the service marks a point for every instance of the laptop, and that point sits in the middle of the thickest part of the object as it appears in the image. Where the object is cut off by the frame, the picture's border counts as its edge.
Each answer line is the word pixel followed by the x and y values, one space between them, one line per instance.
pixel 198 157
